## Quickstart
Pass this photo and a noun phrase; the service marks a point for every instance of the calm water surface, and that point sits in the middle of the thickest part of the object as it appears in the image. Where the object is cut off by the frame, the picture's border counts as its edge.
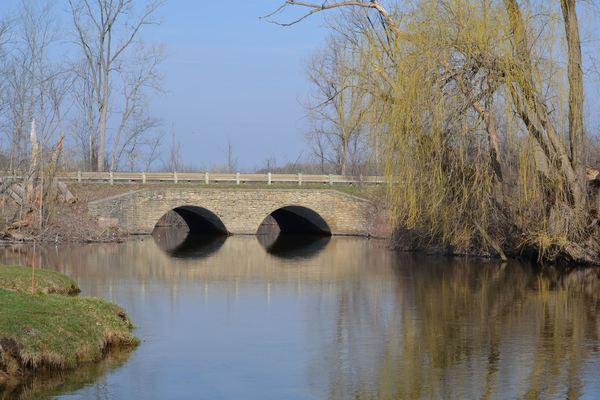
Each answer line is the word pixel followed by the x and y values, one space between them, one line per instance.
pixel 319 318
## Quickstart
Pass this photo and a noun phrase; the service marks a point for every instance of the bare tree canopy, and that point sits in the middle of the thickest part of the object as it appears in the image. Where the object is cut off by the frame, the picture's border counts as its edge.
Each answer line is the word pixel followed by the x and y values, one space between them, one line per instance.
pixel 338 108
pixel 74 104
pixel 106 30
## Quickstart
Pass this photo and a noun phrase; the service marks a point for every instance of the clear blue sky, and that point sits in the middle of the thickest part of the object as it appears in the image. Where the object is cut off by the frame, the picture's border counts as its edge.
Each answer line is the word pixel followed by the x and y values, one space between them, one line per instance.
pixel 231 76
pixel 228 76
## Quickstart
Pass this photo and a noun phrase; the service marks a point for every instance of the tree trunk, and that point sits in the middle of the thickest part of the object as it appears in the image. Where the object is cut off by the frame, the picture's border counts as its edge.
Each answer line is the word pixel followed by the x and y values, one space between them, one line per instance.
pixel 575 77
pixel 101 145
pixel 534 112
pixel 103 117
pixel 343 157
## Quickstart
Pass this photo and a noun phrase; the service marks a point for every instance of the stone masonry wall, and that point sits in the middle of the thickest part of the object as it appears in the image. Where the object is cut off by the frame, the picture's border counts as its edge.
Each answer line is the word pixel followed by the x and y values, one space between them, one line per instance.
pixel 241 210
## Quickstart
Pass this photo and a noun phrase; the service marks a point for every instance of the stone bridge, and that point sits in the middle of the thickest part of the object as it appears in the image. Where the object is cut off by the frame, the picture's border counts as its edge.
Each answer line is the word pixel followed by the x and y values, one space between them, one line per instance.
pixel 239 211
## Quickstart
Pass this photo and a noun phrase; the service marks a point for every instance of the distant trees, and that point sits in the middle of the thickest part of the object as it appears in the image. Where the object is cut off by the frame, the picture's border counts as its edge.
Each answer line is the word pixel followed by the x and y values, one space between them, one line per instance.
pixel 465 102
pixel 174 162
pixel 231 158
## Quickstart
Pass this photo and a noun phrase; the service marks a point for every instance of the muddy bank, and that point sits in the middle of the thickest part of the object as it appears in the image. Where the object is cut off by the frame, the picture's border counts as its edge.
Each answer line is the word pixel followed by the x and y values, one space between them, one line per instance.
pixel 66 222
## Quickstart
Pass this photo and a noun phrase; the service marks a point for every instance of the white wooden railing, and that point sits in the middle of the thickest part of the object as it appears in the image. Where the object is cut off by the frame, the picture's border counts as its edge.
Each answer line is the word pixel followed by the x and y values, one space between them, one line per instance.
pixel 210 177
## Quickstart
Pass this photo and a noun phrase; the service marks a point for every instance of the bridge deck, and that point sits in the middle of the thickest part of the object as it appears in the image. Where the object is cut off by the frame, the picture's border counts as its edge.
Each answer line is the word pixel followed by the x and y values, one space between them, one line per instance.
pixel 207 178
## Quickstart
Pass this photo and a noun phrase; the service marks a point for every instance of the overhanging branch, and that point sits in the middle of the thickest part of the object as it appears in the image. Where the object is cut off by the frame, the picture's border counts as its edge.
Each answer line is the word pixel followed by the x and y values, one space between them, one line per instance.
pixel 314 8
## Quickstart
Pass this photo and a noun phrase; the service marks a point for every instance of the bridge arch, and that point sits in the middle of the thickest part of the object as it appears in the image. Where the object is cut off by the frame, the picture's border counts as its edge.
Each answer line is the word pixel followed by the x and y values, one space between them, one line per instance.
pixel 237 211
pixel 296 219
pixel 200 220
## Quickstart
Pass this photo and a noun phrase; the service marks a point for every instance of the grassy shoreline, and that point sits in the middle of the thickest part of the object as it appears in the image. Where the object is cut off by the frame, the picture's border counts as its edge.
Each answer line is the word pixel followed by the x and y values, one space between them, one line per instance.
pixel 18 279
pixel 53 330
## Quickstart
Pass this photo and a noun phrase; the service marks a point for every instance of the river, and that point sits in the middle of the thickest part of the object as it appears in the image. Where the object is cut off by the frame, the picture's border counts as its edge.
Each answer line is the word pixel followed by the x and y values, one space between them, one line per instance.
pixel 250 317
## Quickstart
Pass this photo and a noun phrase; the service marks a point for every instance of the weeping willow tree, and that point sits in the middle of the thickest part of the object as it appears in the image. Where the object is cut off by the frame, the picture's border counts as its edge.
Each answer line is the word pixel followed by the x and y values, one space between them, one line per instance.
pixel 478 108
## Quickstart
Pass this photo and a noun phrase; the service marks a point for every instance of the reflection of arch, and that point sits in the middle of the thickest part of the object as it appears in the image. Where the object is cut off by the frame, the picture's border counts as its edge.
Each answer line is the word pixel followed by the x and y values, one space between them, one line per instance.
pixel 201 220
pixel 297 219
pixel 293 246
pixel 180 243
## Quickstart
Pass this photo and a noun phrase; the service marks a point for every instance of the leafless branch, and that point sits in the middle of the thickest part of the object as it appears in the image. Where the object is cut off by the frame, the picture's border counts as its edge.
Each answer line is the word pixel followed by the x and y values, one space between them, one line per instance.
pixel 314 8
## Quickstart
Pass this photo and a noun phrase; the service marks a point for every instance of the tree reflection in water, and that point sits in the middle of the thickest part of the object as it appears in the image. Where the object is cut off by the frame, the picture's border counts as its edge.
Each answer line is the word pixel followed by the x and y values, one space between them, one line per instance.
pixel 457 329
pixel 352 320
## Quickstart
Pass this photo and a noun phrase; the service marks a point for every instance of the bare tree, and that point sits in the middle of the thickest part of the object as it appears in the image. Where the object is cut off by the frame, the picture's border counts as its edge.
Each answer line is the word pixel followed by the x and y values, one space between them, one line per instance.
pixel 152 151
pixel 85 120
pixel 36 87
pixel 4 87
pixel 105 30
pixel 338 107
pixel 134 122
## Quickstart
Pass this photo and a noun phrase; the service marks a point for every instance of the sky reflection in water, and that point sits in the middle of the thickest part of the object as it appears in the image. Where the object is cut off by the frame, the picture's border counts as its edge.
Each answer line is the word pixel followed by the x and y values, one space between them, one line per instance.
pixel 339 318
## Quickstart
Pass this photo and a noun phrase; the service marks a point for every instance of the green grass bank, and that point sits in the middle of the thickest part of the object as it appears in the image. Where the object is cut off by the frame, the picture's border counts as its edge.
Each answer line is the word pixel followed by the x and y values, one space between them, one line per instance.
pixel 18 279
pixel 53 330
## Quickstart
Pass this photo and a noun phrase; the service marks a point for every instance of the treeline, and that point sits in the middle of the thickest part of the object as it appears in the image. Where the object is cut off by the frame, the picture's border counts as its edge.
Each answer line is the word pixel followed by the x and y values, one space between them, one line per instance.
pixel 475 110
pixel 79 69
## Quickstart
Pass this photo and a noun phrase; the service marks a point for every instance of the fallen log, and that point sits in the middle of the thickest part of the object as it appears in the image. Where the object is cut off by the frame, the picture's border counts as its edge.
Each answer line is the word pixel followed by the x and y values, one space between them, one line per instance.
pixel 17 193
pixel 65 193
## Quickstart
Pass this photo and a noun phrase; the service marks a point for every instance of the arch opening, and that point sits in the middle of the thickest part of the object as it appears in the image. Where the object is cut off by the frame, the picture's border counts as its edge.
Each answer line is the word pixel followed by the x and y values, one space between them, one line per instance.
pixel 198 220
pixel 294 220
pixel 189 232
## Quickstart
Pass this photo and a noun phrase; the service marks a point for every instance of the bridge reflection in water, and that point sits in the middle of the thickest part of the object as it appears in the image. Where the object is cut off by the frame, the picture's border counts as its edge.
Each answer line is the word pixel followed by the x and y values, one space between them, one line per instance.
pixel 289 232
pixel 293 246
pixel 350 320
pixel 178 242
